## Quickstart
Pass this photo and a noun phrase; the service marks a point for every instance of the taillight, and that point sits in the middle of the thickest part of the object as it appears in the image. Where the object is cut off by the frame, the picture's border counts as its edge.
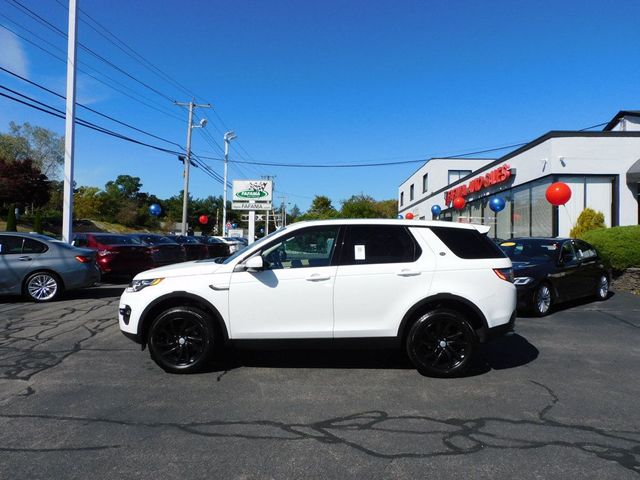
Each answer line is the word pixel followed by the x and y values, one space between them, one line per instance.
pixel 83 259
pixel 505 274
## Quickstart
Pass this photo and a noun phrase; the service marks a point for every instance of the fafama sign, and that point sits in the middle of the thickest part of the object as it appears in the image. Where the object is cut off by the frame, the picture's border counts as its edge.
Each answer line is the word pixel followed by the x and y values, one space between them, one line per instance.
pixel 252 194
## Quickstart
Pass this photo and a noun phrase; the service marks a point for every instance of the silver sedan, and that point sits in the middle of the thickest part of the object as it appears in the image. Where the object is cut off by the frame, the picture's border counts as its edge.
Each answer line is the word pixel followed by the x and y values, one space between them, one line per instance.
pixel 41 268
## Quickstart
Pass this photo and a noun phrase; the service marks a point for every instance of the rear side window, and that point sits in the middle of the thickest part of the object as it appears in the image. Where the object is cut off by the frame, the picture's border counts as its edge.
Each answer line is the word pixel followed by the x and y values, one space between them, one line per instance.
pixel 33 246
pixel 369 244
pixel 467 243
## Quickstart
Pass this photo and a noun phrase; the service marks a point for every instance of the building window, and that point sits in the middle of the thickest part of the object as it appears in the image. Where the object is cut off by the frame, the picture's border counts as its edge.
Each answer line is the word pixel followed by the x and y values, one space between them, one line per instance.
pixel 411 193
pixel 455 175
pixel 401 198
pixel 425 182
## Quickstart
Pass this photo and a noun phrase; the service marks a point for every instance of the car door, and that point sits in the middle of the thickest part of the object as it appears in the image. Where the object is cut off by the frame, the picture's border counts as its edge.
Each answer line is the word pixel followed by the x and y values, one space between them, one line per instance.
pixel 13 264
pixel 378 279
pixel 293 296
pixel 590 268
pixel 566 278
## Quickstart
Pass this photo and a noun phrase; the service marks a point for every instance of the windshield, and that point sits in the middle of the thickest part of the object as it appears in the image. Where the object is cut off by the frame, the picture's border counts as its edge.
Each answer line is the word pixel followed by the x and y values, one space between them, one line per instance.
pixel 531 249
pixel 254 244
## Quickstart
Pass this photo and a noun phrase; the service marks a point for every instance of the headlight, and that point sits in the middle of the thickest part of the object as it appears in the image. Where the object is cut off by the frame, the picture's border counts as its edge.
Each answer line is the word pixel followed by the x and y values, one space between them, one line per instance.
pixel 137 285
pixel 522 280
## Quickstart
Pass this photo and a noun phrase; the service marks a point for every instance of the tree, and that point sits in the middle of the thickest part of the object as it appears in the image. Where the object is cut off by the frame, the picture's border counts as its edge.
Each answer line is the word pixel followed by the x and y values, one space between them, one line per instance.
pixel 294 213
pixel 23 183
pixel 44 147
pixel 321 208
pixel 387 208
pixel 359 206
pixel 588 220
pixel 37 222
pixel 88 203
pixel 124 185
pixel 11 219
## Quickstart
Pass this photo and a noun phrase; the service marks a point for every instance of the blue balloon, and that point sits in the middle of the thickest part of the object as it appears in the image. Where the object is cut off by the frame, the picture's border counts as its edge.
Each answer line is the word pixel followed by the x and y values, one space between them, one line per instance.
pixel 235 225
pixel 497 204
pixel 400 216
pixel 155 209
pixel 436 210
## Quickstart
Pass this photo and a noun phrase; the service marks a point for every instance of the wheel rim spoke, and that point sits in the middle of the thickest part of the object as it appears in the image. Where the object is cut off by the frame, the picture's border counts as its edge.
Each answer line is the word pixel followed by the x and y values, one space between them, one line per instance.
pixel 443 345
pixel 180 341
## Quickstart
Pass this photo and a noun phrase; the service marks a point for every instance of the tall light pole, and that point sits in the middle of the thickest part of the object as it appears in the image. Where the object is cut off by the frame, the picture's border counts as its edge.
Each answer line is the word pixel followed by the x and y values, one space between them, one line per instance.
pixel 228 136
pixel 70 123
pixel 187 160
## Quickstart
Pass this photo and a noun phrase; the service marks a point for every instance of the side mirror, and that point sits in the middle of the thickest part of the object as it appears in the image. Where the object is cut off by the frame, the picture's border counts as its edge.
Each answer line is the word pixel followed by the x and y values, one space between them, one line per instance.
pixel 254 264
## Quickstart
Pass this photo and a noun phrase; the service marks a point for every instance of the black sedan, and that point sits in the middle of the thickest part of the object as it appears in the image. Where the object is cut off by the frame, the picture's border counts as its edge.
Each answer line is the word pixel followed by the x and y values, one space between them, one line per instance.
pixel 548 271
pixel 194 249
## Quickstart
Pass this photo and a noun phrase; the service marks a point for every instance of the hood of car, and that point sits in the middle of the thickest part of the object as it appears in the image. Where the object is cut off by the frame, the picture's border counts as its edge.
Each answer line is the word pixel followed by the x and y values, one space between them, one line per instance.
pixel 196 267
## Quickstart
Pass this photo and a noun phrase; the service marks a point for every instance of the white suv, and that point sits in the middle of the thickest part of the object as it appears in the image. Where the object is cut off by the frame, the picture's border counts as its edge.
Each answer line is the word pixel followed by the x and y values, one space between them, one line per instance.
pixel 436 288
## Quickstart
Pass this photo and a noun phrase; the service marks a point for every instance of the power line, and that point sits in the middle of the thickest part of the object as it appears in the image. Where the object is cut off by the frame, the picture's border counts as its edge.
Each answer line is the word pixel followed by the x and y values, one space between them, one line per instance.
pixel 63 60
pixel 42 87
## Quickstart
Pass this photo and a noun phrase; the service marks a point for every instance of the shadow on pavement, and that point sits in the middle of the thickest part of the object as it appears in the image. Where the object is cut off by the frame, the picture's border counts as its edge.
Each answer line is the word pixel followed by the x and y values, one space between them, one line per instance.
pixel 510 351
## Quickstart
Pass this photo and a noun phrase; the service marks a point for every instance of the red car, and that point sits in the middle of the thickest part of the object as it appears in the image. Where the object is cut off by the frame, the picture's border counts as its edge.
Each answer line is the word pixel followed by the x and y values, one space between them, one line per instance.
pixel 117 254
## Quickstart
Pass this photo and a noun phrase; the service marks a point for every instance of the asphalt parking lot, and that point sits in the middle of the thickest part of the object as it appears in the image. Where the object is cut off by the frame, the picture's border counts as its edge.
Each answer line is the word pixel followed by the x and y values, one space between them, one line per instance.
pixel 557 399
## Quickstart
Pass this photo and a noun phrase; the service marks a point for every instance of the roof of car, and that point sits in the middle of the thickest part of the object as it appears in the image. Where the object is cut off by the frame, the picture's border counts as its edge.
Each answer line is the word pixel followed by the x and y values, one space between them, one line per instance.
pixel 387 221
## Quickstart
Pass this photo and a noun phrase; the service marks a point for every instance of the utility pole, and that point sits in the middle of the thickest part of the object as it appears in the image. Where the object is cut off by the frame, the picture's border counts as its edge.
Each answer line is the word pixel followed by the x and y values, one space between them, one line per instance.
pixel 70 123
pixel 228 136
pixel 283 212
pixel 273 185
pixel 187 160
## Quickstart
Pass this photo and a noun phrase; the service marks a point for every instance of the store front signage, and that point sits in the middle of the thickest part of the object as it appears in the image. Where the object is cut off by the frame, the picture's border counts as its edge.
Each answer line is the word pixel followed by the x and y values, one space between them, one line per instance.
pixel 494 177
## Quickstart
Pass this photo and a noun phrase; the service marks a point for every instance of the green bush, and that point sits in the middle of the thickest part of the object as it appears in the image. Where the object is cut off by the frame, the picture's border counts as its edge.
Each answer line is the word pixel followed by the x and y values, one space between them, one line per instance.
pixel 588 220
pixel 37 223
pixel 11 219
pixel 618 246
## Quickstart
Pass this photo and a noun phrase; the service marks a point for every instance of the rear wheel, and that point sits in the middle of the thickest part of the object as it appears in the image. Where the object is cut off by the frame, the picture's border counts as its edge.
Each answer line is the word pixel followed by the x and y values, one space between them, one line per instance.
pixel 441 343
pixel 181 340
pixel 542 300
pixel 603 287
pixel 42 286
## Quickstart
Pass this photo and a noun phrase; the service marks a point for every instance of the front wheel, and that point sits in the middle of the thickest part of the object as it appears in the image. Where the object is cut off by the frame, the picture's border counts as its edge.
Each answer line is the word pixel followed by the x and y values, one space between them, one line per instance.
pixel 181 340
pixel 441 343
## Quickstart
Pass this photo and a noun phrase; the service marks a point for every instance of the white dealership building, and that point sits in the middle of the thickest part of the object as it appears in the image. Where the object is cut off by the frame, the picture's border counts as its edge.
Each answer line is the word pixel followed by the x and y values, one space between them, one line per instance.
pixel 602 168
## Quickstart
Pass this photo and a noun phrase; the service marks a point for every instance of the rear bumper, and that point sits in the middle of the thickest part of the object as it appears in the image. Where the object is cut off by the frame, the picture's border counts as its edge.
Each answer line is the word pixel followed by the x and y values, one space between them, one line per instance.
pixel 487 334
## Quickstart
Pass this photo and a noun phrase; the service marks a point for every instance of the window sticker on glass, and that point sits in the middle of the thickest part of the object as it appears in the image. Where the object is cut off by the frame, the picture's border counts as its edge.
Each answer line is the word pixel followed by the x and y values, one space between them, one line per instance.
pixel 359 252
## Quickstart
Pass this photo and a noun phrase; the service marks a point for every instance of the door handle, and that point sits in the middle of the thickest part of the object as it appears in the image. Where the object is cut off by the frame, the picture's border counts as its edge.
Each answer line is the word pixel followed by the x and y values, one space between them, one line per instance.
pixel 24 259
pixel 316 277
pixel 405 272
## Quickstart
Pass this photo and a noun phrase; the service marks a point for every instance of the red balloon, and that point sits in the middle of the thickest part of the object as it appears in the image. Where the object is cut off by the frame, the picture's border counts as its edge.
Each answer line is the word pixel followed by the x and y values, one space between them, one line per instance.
pixel 409 216
pixel 459 203
pixel 203 219
pixel 558 193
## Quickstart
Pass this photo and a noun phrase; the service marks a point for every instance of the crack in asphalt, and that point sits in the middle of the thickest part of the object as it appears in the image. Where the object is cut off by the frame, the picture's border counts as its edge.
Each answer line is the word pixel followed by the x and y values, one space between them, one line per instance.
pixel 25 342
pixel 377 434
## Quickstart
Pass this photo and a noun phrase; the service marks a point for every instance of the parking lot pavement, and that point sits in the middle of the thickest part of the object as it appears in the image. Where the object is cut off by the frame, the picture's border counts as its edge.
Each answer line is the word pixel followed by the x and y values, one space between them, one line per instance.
pixel 558 399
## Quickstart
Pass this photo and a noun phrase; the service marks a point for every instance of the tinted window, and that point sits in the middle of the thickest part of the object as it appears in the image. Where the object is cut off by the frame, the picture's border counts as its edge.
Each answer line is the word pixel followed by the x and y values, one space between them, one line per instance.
pixel 468 243
pixel 525 250
pixel 11 244
pixel 584 251
pixel 116 240
pixel 80 241
pixel 310 247
pixel 33 246
pixel 567 254
pixel 367 244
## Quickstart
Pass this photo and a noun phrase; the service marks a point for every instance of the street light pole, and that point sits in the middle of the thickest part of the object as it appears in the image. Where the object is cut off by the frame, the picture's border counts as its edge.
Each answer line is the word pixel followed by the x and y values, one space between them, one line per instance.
pixel 187 160
pixel 228 136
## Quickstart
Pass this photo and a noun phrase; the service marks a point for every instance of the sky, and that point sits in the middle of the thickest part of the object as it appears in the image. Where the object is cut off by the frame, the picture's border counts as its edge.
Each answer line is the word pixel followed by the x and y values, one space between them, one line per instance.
pixel 331 82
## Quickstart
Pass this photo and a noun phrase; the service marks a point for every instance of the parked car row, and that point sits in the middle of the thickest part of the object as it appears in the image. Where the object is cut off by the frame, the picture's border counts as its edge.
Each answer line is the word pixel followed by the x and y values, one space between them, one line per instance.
pixel 119 254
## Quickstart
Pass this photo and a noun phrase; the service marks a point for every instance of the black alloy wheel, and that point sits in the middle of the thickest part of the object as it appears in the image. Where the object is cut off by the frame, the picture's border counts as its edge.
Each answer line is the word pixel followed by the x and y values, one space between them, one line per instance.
pixel 181 340
pixel 441 343
pixel 542 300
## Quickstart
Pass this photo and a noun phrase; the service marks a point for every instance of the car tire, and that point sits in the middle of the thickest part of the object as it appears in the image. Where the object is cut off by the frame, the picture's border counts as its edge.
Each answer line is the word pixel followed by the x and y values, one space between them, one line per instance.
pixel 441 343
pixel 181 340
pixel 542 300
pixel 602 291
pixel 42 287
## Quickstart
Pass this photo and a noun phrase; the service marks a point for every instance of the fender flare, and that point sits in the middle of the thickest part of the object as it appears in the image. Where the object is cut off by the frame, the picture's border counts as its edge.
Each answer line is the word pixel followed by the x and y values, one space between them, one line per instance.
pixel 180 294
pixel 449 297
